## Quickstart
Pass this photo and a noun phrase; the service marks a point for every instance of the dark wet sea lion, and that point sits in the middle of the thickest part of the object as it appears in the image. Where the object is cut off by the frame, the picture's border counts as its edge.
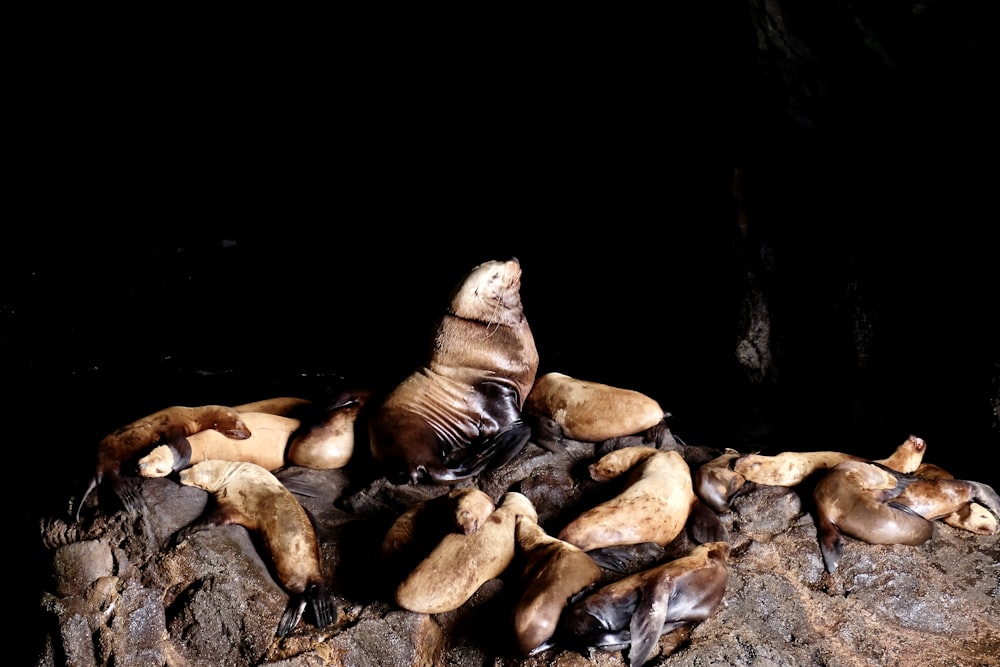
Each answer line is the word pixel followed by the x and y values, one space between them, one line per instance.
pixel 635 611
pixel 455 569
pixel 170 425
pixel 856 499
pixel 590 411
pixel 460 414
pixel 554 573
pixel 248 495
pixel 792 468
pixel 716 482
pixel 326 440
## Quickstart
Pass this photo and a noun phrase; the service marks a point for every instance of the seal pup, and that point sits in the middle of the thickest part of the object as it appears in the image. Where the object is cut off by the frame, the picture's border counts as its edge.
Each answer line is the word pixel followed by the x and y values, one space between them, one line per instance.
pixel 269 435
pixel 250 496
pixel 327 442
pixel 855 498
pixel 793 468
pixel 716 482
pixel 455 569
pixel 169 425
pixel 460 413
pixel 653 506
pixel 554 573
pixel 934 494
pixel 635 611
pixel 567 407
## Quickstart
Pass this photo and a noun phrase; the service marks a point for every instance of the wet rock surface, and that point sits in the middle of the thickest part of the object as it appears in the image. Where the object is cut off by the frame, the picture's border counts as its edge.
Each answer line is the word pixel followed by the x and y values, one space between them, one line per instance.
pixel 121 593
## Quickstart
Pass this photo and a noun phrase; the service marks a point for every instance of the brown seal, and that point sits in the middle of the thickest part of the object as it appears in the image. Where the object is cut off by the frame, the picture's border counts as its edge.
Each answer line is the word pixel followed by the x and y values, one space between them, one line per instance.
pixel 854 498
pixel 248 495
pixel 716 482
pixel 460 564
pixel 266 446
pixel 554 573
pixel 169 425
pixel 934 493
pixel 653 506
pixel 792 468
pixel 635 611
pixel 589 411
pixel 326 442
pixel 460 413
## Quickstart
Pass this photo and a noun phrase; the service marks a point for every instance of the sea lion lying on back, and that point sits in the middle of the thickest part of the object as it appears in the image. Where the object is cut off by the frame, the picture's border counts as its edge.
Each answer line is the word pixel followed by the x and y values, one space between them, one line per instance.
pixel 460 413
pixel 250 496
pixel 635 611
pixel 171 425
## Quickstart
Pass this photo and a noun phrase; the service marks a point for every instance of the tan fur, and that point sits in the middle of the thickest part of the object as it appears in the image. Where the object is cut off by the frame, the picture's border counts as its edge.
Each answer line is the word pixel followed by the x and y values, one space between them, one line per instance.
pixel 328 443
pixel 653 506
pixel 285 406
pixel 792 468
pixel 460 564
pixel 554 572
pixel 716 481
pixel 938 495
pixel 591 411
pixel 463 509
pixel 266 445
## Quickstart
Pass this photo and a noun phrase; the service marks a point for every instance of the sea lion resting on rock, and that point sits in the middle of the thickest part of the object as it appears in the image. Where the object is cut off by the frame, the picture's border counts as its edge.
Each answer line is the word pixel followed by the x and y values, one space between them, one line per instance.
pixel 654 505
pixel 554 573
pixel 934 494
pixel 856 498
pixel 566 407
pixel 460 564
pixel 715 481
pixel 635 611
pixel 792 468
pixel 460 414
pixel 250 496
pixel 169 425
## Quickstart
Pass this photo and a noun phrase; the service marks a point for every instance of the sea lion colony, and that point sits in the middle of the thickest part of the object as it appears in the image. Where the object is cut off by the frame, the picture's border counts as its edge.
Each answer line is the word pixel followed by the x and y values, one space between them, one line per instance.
pixel 472 408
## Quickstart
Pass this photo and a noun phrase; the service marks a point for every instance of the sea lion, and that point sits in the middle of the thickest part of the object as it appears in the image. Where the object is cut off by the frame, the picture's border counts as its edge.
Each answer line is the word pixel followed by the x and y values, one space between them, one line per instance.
pixel 716 482
pixel 327 442
pixel 653 506
pixel 935 494
pixel 589 411
pixel 266 446
pixel 856 498
pixel 248 495
pixel 169 425
pixel 792 468
pixel 554 572
pixel 635 611
pixel 284 406
pixel 460 564
pixel 460 413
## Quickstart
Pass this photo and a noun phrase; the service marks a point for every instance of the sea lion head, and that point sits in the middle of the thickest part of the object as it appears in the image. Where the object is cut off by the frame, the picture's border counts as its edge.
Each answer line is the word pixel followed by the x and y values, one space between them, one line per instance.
pixel 490 292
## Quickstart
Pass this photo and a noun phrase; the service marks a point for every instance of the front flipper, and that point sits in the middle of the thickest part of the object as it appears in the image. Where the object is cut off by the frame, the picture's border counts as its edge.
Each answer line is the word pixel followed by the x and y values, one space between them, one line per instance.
pixel 704 525
pixel 128 491
pixel 646 626
pixel 487 453
pixel 830 543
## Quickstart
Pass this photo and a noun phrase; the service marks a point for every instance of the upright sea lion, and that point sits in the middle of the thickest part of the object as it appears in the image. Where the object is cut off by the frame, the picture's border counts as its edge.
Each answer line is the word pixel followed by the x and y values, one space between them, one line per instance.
pixel 248 495
pixel 635 611
pixel 653 506
pixel 460 564
pixel 170 425
pixel 856 498
pixel 266 446
pixel 588 411
pixel 460 413
pixel 792 468
pixel 716 482
pixel 935 494
pixel 326 442
pixel 554 572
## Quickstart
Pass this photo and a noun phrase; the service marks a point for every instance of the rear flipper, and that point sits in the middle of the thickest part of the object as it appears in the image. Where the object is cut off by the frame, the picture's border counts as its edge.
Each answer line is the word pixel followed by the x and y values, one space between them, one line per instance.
pixel 323 608
pixel 987 497
pixel 830 543
pixel 704 525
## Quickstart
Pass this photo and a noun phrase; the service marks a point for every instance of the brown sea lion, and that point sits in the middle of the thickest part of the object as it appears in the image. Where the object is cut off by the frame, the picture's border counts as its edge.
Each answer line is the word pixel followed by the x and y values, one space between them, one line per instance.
pixel 554 572
pixel 716 482
pixel 248 495
pixel 635 611
pixel 653 506
pixel 935 494
pixel 266 446
pixel 326 442
pixel 170 425
pixel 589 411
pixel 792 468
pixel 460 564
pixel 856 498
pixel 285 406
pixel 460 413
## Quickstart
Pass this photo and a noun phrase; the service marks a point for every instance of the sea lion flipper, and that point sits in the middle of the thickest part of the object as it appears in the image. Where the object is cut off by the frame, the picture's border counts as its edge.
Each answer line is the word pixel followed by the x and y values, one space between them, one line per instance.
pixel 829 543
pixel 292 614
pixel 985 495
pixel 490 452
pixel 611 558
pixel 646 627
pixel 705 525
pixel 127 490
pixel 323 607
